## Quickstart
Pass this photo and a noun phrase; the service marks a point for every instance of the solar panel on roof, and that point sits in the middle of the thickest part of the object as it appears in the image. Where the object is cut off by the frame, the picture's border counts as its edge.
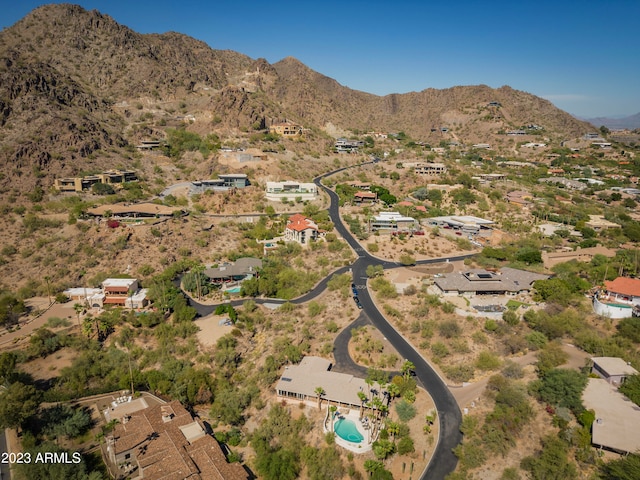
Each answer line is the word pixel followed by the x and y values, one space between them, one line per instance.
pixel 285 379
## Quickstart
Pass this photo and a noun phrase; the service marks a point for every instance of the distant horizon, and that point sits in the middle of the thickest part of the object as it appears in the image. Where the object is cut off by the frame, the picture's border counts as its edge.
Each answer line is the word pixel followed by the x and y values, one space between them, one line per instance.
pixel 556 50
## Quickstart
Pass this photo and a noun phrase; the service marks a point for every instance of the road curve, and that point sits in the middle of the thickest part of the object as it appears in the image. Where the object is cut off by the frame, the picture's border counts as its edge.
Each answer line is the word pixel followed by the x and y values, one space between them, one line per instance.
pixel 443 460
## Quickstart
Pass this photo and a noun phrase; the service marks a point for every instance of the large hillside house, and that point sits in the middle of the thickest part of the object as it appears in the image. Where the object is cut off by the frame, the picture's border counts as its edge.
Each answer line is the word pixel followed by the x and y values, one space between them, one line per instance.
pixel 432 170
pixel 344 145
pixel 119 292
pixel 291 189
pixel 467 224
pixel 361 197
pixel 223 183
pixel 389 222
pixel 241 269
pixel 165 442
pixel 300 229
pixel 508 281
pixel 300 383
pixel 79 184
pixel 620 298
pixel 123 292
pixel 286 129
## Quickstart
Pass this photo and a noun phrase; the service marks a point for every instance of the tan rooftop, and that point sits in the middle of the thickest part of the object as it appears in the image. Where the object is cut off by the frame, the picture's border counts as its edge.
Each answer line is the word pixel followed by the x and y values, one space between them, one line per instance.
pixel 617 418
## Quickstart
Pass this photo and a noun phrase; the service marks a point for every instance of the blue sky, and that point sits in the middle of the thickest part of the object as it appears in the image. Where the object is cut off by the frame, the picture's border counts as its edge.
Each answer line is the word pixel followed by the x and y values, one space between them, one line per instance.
pixel 580 54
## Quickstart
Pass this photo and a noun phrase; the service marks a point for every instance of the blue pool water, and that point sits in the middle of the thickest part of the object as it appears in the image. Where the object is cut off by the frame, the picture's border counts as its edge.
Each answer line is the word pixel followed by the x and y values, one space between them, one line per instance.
pixel 348 431
pixel 234 290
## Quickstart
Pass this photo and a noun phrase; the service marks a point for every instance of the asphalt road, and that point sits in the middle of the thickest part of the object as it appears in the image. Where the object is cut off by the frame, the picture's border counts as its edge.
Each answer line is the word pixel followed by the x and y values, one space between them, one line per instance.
pixel 443 460
pixel 5 473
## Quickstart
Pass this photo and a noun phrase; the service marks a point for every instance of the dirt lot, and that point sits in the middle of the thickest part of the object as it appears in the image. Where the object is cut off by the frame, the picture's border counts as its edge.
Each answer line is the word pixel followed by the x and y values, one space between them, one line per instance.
pixel 211 329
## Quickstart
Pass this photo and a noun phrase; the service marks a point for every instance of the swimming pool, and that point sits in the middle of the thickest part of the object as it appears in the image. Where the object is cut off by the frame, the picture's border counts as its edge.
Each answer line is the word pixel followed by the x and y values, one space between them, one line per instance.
pixel 348 431
pixel 234 290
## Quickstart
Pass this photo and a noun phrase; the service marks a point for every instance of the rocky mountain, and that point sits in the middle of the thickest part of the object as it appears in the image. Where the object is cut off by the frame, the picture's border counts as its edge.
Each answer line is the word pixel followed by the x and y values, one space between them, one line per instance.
pixel 73 81
pixel 632 122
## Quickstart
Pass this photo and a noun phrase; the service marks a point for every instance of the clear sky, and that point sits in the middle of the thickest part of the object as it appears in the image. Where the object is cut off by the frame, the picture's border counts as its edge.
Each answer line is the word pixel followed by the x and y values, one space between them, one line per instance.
pixel 583 55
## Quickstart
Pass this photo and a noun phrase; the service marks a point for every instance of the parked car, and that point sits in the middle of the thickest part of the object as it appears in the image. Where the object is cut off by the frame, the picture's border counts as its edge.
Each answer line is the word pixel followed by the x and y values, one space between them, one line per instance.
pixel 357 300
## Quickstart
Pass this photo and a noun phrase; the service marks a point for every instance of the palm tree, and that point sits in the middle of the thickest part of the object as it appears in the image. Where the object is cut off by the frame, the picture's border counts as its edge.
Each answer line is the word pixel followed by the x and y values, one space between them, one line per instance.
pixel 332 409
pixel 393 428
pixel 393 391
pixel 407 368
pixel 363 398
pixel 78 308
pixel 87 326
pixel 319 391
pixel 369 383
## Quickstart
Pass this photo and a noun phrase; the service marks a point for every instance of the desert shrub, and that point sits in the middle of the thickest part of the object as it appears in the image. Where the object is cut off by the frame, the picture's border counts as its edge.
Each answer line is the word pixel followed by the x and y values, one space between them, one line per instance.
pixel 405 410
pixel 488 361
pixel 512 370
pixel 459 373
pixel 449 329
pixel 405 446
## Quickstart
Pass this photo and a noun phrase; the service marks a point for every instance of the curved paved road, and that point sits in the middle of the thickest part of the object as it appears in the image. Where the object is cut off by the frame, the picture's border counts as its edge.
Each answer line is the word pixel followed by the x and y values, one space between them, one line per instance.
pixel 443 460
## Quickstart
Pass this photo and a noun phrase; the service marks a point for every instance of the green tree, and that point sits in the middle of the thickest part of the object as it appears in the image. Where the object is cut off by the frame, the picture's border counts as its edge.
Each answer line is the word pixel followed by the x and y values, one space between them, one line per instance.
pixel 53 470
pixel 17 403
pixel 11 308
pixel 8 362
pixel 561 387
pixel 631 388
pixel 383 449
pixel 102 189
pixel 552 462
pixel 623 468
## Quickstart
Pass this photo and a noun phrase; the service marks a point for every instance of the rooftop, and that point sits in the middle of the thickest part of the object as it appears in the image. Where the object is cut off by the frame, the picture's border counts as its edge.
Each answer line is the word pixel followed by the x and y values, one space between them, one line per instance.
pixel 484 281
pixel 169 444
pixel 313 372
pixel 624 286
pixel 617 418
pixel 242 266
pixel 614 366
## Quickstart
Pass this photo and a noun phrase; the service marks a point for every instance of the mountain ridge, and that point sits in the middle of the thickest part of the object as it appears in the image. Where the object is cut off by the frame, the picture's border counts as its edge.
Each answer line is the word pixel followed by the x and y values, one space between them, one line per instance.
pixel 65 121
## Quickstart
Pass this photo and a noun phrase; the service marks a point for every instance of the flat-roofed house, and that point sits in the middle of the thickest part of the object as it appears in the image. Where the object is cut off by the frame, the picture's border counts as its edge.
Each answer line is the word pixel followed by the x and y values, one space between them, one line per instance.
pixel 613 369
pixel 430 169
pixel 617 419
pixel 343 145
pixel 393 222
pixel 551 259
pixel 291 189
pixel 286 129
pixel 135 210
pixel 467 224
pixel 598 223
pixel 165 442
pixel 92 297
pixel 620 298
pixel 117 290
pixel 300 229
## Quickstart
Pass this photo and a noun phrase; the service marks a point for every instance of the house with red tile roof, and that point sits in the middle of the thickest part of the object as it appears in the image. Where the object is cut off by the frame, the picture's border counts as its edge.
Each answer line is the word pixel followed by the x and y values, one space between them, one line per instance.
pixel 364 197
pixel 166 442
pixel 620 298
pixel 300 229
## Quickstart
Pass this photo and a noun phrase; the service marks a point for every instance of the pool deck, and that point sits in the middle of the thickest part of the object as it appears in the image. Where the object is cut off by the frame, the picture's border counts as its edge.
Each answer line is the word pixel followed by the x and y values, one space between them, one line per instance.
pixel 354 416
